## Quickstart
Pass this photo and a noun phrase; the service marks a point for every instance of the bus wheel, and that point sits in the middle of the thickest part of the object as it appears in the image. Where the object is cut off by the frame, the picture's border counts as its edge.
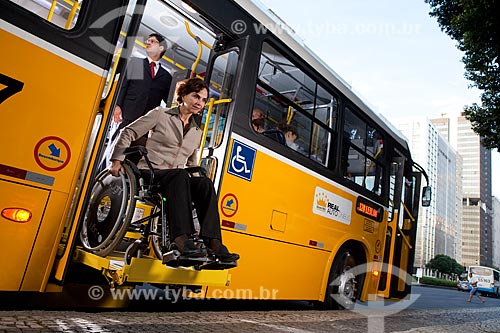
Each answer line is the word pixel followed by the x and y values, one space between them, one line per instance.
pixel 342 283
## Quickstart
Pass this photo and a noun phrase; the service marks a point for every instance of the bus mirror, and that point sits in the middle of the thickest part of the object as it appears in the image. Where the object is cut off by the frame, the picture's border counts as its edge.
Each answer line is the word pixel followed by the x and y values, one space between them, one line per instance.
pixel 426 196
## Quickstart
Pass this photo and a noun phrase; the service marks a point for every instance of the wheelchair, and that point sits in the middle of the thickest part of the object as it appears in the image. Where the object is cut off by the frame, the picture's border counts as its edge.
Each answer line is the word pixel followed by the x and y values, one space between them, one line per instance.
pixel 111 208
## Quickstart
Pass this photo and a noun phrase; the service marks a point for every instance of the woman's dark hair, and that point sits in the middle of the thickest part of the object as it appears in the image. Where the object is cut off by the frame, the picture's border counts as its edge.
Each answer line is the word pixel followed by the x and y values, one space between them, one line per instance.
pixel 288 128
pixel 188 86
pixel 161 41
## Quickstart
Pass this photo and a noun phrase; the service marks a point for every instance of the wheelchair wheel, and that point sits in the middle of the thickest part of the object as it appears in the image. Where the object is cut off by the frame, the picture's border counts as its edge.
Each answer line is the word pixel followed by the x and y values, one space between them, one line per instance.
pixel 157 235
pixel 109 212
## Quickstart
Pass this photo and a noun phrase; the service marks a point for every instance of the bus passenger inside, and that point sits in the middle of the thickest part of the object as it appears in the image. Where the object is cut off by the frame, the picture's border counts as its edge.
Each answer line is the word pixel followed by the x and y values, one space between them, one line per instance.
pixel 291 137
pixel 258 125
pixel 258 120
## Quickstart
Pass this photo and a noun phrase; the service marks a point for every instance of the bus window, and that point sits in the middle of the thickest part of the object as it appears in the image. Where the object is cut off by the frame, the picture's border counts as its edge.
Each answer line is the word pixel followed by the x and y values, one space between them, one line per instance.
pixel 302 125
pixel 182 49
pixel 364 145
pixel 480 270
pixel 292 99
pixel 63 13
pixel 221 87
pixel 326 112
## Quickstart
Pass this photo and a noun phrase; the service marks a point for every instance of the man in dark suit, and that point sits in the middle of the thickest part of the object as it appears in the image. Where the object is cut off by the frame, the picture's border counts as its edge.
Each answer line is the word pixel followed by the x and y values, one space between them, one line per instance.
pixel 146 83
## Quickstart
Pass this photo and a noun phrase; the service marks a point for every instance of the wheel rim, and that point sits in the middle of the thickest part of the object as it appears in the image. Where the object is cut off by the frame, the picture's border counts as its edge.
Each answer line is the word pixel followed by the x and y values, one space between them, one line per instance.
pixel 343 281
pixel 347 286
pixel 107 205
pixel 159 246
pixel 111 224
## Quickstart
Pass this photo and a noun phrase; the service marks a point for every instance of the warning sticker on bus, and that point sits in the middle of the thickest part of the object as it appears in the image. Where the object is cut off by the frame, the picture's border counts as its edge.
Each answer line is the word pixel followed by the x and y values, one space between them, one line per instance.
pixel 52 153
pixel 229 205
pixel 332 206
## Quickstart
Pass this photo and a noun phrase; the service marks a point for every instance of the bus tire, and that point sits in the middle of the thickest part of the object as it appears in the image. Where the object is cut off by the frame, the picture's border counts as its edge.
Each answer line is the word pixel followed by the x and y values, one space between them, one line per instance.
pixel 342 285
pixel 109 212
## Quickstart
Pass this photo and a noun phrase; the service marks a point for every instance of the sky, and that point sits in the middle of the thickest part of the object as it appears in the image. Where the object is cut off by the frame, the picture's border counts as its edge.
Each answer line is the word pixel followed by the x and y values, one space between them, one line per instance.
pixel 391 52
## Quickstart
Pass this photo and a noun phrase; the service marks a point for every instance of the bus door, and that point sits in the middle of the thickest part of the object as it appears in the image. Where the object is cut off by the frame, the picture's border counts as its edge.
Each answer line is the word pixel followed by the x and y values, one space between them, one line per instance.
pixel 395 194
pixel 189 53
pixel 52 80
pixel 222 71
pixel 130 15
pixel 404 251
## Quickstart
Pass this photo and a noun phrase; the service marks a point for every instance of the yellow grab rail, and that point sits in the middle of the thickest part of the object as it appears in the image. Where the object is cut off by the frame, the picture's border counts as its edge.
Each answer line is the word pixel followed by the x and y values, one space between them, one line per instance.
pixel 408 212
pixel 71 14
pixel 369 167
pixel 405 238
pixel 51 11
pixel 200 43
pixel 210 105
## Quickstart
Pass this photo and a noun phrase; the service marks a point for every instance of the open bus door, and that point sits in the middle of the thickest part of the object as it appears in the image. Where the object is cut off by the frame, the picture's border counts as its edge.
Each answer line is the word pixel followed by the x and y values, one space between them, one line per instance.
pixel 395 193
pixel 221 78
pixel 401 230
pixel 404 247
pixel 68 242
pixel 221 70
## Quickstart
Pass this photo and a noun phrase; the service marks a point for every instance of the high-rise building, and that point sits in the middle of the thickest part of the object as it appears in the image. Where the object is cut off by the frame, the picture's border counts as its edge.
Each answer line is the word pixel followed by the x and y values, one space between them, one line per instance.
pixel 439 229
pixel 496 231
pixel 443 125
pixel 476 184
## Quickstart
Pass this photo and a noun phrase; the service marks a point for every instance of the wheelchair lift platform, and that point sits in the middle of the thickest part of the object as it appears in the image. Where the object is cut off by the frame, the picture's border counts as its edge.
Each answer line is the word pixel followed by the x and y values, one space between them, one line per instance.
pixel 150 270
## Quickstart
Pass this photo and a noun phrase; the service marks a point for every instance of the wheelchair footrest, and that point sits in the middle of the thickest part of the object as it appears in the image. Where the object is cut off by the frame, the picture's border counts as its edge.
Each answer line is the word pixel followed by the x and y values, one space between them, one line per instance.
pixel 174 258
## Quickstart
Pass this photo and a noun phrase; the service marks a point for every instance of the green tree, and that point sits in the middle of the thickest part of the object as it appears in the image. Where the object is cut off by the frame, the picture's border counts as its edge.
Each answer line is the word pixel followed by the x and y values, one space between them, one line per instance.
pixel 445 264
pixel 475 25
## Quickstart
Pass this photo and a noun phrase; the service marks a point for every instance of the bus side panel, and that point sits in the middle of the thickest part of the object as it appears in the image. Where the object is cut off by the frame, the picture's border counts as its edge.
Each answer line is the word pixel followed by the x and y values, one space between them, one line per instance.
pixel 49 119
pixel 44 129
pixel 17 238
pixel 45 248
pixel 284 245
pixel 270 269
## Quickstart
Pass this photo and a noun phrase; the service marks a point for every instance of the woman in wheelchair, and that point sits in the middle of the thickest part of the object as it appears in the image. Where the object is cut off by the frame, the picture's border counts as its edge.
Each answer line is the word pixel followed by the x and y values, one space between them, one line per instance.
pixel 174 137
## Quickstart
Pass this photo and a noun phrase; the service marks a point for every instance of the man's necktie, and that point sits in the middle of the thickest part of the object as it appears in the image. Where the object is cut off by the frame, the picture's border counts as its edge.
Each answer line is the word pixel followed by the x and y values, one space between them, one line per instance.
pixel 152 66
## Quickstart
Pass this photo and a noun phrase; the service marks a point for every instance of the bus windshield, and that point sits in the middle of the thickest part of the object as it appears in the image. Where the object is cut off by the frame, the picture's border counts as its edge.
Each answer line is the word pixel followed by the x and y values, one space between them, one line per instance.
pixel 482 271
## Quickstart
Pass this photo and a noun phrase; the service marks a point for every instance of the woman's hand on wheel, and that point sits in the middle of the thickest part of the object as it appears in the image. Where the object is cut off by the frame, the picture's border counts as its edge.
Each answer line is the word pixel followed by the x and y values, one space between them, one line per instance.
pixel 116 168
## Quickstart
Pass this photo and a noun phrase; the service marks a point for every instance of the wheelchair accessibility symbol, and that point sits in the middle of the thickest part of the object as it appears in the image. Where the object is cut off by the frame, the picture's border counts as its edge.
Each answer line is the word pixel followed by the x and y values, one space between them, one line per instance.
pixel 241 161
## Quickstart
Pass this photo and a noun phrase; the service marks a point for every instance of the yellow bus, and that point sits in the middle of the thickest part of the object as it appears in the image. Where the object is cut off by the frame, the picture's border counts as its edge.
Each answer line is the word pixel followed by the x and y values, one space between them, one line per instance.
pixel 302 215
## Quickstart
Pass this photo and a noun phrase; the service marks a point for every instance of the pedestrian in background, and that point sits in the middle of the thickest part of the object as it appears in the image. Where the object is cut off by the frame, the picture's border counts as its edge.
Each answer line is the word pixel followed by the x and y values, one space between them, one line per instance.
pixel 473 283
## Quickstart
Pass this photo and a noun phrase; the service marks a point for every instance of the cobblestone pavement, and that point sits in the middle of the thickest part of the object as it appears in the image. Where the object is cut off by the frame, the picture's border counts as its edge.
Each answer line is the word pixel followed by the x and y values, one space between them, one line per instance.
pixel 480 319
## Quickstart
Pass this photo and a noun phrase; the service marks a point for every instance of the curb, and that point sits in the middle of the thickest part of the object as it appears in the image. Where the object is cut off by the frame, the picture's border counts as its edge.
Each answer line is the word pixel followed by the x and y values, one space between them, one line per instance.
pixel 431 286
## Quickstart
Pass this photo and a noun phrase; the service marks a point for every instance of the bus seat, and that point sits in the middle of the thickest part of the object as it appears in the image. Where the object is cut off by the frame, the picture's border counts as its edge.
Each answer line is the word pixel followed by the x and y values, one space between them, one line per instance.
pixel 276 135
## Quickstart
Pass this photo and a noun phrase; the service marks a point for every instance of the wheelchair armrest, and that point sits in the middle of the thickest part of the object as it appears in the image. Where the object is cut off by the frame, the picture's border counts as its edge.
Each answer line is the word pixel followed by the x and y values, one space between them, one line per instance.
pixel 196 169
pixel 136 149
pixel 143 152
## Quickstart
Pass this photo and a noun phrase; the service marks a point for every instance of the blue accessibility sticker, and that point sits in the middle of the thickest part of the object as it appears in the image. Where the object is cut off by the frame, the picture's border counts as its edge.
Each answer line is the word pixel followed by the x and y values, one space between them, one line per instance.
pixel 242 160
